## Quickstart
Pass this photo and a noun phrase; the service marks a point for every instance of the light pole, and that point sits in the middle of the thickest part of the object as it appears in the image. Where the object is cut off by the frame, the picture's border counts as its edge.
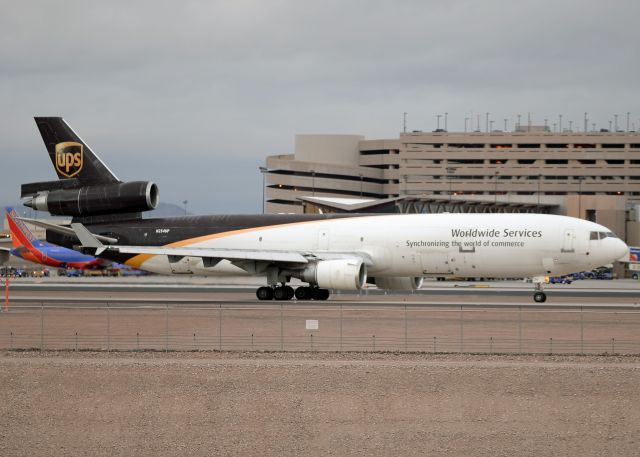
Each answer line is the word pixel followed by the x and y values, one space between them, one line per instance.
pixel 184 202
pixel 628 114
pixel 487 121
pixel 505 125
pixel 263 170
pixel 466 120
pixel 586 122
pixel 438 124
pixel 405 122
pixel 445 120
pixel 560 123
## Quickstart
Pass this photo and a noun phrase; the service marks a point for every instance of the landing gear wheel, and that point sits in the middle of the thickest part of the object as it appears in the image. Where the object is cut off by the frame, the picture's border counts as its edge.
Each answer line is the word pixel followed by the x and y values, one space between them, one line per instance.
pixel 539 297
pixel 304 293
pixel 264 293
pixel 320 294
pixel 283 293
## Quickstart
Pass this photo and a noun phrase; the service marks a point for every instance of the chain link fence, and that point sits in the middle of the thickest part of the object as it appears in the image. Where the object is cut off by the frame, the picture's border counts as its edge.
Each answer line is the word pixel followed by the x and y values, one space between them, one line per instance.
pixel 294 327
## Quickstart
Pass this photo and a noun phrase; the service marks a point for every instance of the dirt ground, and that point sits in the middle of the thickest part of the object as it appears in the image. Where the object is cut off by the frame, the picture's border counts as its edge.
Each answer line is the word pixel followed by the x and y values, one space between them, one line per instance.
pixel 292 404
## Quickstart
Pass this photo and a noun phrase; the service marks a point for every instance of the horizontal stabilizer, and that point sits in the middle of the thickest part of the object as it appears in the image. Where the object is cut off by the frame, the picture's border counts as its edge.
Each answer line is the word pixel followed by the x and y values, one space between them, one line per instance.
pixel 87 239
pixel 68 231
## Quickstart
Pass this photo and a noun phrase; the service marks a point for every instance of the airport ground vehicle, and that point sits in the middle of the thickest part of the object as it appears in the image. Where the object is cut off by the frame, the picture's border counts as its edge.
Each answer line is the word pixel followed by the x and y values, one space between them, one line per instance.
pixel 327 251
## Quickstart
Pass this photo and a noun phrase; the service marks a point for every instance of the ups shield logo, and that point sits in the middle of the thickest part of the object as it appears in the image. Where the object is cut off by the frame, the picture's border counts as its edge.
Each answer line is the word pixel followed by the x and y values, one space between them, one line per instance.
pixel 69 158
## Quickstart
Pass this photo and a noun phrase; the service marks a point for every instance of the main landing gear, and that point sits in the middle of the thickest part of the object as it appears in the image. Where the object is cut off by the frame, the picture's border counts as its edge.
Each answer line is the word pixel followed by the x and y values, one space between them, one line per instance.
pixel 539 296
pixel 284 292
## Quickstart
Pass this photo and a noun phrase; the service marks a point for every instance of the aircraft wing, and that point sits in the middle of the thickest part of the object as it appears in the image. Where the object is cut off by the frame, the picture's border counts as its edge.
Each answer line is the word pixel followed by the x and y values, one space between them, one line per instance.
pixel 211 256
pixel 210 253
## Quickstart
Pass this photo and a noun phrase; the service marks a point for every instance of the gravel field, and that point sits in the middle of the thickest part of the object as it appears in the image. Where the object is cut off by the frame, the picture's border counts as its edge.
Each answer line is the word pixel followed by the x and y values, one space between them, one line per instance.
pixel 286 404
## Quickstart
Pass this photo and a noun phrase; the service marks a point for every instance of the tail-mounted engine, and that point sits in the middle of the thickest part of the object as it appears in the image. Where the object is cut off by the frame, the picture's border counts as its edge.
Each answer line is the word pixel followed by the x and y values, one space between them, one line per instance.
pixel 127 197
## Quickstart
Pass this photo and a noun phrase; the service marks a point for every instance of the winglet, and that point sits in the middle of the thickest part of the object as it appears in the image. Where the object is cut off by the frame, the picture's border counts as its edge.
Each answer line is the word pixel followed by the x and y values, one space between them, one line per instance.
pixel 87 238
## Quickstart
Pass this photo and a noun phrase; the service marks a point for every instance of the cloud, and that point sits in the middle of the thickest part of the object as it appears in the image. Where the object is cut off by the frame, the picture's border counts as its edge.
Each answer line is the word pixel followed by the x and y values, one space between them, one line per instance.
pixel 222 84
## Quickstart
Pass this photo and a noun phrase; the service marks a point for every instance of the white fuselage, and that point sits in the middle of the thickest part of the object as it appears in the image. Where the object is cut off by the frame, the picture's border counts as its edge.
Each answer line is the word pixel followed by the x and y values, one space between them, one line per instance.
pixel 472 245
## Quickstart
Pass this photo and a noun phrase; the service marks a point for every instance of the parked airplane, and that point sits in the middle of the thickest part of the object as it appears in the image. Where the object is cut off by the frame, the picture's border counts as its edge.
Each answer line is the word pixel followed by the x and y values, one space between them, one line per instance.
pixel 28 247
pixel 338 251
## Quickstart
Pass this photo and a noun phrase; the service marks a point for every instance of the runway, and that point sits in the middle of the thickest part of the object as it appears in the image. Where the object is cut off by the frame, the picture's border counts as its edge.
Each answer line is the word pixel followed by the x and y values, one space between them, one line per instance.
pixel 113 292
pixel 160 316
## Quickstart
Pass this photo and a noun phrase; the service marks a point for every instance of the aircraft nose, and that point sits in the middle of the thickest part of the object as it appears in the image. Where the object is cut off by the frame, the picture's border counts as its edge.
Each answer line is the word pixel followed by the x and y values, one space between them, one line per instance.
pixel 621 250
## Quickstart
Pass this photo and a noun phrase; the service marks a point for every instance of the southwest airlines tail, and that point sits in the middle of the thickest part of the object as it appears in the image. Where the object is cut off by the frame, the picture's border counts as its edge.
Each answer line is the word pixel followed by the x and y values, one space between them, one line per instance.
pixel 72 158
pixel 20 234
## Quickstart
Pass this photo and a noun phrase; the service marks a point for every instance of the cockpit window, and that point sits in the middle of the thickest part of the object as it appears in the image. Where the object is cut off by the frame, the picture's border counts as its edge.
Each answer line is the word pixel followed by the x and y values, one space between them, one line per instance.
pixel 601 235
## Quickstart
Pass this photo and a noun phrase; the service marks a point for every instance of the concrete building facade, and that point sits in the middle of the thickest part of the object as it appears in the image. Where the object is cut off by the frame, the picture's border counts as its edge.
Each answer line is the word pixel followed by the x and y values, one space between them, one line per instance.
pixel 592 175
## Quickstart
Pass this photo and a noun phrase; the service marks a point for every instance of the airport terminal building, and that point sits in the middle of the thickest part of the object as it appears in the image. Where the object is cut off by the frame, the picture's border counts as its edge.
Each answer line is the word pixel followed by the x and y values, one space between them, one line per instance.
pixel 593 175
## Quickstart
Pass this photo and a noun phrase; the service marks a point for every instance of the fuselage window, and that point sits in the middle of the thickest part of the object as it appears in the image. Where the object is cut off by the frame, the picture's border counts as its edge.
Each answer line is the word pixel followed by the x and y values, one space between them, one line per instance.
pixel 593 236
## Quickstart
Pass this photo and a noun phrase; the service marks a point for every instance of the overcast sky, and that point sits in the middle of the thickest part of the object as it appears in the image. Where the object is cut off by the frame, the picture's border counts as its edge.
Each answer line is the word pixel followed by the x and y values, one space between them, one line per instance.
pixel 195 94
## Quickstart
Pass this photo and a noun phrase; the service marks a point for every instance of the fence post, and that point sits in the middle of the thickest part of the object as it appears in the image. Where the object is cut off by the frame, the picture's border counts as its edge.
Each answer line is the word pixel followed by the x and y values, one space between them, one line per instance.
pixel 195 346
pixel 311 341
pixel 519 329
pixel 252 341
pixel 461 330
pixel 281 327
pixel 490 345
pixel 138 341
pixel 108 328
pixel 405 328
pixel 613 345
pixel 581 331
pixel 41 326
pixel 340 324
pixel 11 341
pixel 550 345
pixel 76 341
pixel 220 327
pixel 434 344
pixel 166 328
pixel 374 343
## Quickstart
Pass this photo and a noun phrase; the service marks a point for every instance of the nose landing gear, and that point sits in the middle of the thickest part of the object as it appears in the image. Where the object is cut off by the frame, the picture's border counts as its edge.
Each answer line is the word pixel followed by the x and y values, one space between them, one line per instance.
pixel 539 296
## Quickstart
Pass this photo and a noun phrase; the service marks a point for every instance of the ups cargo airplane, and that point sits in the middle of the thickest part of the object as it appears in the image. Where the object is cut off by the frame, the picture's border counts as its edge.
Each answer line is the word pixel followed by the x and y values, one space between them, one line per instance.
pixel 332 251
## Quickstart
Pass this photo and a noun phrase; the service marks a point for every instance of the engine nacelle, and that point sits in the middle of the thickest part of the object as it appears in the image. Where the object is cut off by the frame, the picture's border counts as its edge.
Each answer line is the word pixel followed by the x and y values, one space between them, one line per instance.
pixel 127 197
pixel 399 282
pixel 344 274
